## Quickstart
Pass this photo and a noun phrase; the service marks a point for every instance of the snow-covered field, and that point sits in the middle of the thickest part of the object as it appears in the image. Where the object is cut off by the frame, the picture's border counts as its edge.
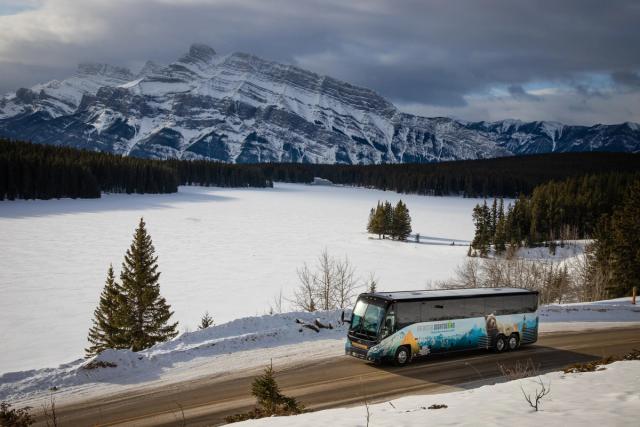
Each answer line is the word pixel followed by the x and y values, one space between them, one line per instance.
pixel 251 340
pixel 609 397
pixel 228 251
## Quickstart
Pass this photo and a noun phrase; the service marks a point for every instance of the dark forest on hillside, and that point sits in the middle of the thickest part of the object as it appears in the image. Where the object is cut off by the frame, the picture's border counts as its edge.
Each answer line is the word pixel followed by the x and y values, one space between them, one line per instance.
pixel 506 176
pixel 33 171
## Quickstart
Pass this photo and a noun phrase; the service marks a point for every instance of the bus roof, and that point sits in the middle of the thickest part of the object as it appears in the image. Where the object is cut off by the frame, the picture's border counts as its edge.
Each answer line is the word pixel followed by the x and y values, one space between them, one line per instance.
pixel 447 293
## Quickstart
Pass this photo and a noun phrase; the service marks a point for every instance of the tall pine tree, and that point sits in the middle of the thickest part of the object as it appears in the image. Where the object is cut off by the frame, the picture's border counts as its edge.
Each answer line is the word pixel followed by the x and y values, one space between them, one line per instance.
pixel 401 222
pixel 148 313
pixel 108 327
pixel 387 219
pixel 625 244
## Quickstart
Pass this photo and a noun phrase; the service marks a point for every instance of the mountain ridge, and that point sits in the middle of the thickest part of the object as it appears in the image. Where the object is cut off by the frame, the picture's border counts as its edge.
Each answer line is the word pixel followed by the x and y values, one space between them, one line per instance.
pixel 245 109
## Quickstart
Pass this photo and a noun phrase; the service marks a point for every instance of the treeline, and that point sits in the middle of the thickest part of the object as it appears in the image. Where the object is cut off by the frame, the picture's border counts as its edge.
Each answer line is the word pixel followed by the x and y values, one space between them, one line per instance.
pixel 34 171
pixel 555 211
pixel 603 207
pixel 506 177
pixel 29 171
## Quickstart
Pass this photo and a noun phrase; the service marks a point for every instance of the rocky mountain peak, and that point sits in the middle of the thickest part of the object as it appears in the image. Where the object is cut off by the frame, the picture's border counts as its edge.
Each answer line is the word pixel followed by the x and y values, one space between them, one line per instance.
pixel 199 52
pixel 106 70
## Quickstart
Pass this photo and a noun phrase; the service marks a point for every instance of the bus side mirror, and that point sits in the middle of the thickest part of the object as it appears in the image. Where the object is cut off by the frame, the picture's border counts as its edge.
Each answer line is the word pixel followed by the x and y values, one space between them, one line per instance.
pixel 346 318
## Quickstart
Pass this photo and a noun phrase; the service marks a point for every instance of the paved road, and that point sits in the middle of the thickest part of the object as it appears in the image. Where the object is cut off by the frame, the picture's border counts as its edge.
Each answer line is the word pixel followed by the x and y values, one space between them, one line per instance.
pixel 341 381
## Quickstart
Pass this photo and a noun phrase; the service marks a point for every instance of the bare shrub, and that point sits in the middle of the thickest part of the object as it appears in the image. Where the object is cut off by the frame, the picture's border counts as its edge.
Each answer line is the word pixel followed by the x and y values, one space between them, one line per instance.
pixel 49 411
pixel 20 417
pixel 541 390
pixel 345 284
pixel 332 284
pixel 521 369
pixel 552 280
pixel 304 297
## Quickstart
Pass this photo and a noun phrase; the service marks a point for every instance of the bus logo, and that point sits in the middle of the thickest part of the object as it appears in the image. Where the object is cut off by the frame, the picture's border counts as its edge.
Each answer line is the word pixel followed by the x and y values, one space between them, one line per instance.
pixel 444 327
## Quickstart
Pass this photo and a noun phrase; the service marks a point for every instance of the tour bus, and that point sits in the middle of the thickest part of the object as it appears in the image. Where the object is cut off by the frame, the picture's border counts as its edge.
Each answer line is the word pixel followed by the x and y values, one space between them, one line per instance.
pixel 398 326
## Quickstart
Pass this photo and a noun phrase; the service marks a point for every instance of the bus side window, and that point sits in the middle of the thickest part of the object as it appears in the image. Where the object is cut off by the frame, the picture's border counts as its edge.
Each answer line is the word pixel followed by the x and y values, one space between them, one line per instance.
pixel 407 313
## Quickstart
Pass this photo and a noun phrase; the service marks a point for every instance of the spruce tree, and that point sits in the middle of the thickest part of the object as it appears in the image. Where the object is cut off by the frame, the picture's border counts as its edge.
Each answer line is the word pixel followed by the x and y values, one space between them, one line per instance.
pixel 205 321
pixel 500 236
pixel 108 328
pixel 379 219
pixel 401 221
pixel 266 391
pixel 493 223
pixel 387 220
pixel 625 244
pixel 269 398
pixel 371 223
pixel 148 312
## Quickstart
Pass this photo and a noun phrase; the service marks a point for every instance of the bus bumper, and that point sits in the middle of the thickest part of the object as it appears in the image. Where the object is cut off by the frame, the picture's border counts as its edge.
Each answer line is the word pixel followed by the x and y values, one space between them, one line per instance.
pixel 359 352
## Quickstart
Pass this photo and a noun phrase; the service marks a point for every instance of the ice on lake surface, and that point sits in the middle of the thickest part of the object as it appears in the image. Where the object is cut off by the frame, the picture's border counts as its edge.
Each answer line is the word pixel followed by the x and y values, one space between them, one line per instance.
pixel 228 251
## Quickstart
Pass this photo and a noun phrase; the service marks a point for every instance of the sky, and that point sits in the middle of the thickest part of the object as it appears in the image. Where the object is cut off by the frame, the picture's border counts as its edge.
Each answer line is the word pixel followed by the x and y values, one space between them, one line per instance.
pixel 573 61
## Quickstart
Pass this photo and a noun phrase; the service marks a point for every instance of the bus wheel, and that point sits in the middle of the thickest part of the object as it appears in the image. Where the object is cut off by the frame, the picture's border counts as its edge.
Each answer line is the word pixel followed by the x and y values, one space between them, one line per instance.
pixel 501 344
pixel 403 356
pixel 513 342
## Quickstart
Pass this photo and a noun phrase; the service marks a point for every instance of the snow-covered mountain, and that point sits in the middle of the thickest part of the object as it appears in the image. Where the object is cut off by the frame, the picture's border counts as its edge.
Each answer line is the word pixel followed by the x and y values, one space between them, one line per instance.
pixel 240 108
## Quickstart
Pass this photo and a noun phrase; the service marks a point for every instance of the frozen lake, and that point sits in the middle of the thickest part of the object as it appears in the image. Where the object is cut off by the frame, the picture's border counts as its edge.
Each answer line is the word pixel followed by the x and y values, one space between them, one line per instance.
pixel 228 251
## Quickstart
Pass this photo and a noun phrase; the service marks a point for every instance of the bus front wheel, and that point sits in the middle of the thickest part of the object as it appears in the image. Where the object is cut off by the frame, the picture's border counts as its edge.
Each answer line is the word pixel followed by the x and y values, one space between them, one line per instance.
pixel 403 356
pixel 501 344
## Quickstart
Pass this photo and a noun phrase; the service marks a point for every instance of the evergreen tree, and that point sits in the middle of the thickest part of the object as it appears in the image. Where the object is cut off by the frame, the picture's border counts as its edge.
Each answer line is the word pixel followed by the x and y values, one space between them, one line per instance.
pixel 493 222
pixel 108 328
pixel 371 223
pixel 401 221
pixel 376 220
pixel 481 220
pixel 269 398
pixel 148 312
pixel 387 228
pixel 205 321
pixel 625 244
pixel 500 236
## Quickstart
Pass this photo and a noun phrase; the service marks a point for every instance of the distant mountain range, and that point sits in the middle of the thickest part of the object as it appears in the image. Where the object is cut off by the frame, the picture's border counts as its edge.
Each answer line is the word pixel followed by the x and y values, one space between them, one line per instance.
pixel 240 108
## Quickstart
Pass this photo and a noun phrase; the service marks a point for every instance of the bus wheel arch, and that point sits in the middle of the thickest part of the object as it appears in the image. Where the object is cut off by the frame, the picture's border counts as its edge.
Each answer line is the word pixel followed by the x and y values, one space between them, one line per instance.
pixel 402 356
pixel 500 344
pixel 513 342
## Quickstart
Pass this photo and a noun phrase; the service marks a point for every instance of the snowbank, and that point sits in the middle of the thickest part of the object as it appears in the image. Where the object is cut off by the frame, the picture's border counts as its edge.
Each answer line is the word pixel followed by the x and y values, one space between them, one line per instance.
pixel 607 397
pixel 189 351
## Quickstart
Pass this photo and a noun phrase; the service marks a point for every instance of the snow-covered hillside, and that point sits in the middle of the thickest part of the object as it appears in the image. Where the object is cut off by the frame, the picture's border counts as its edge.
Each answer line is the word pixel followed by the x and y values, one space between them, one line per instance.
pixel 241 108
pixel 606 397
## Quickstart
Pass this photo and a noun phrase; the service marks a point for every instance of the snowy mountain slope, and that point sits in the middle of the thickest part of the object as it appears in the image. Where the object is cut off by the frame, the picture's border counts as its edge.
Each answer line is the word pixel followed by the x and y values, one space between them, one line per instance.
pixel 241 108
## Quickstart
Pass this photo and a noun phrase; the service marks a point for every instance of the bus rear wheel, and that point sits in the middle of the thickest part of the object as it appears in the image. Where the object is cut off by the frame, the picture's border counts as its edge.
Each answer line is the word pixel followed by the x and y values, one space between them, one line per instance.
pixel 403 356
pixel 501 344
pixel 513 342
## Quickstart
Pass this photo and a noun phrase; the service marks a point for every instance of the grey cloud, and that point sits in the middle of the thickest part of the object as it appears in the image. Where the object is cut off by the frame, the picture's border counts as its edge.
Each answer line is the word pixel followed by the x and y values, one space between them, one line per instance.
pixel 434 53
pixel 518 92
pixel 628 79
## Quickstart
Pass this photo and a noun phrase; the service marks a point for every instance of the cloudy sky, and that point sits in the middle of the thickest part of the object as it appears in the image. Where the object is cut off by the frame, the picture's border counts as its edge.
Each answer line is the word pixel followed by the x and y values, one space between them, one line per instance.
pixel 575 61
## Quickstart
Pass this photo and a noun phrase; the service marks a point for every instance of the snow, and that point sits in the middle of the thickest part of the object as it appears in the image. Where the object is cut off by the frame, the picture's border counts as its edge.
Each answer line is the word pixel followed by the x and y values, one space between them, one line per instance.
pixel 228 251
pixel 251 340
pixel 610 397
pixel 616 310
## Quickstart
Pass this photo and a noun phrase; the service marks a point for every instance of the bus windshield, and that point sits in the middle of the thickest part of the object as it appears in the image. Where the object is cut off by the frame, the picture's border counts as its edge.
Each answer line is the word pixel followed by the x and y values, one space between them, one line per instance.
pixel 366 319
